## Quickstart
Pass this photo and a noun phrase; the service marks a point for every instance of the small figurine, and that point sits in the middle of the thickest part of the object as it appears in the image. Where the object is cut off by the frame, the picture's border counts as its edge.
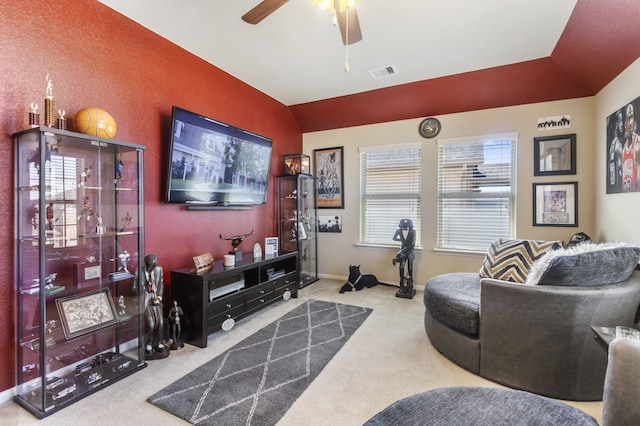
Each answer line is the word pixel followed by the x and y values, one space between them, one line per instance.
pixel 119 169
pixel 123 257
pixel 176 328
pixel 126 221
pixel 49 90
pixel 49 214
pixel 121 306
pixel 85 175
pixel 87 210
pixel 50 280
pixel 406 234
pixel 51 324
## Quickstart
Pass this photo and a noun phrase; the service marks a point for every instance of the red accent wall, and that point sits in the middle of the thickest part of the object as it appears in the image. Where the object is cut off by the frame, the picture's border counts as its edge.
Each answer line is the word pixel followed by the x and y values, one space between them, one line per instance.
pixel 97 57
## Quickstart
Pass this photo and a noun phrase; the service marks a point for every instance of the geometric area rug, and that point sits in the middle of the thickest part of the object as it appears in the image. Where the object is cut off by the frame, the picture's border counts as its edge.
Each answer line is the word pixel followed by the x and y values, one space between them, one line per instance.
pixel 256 381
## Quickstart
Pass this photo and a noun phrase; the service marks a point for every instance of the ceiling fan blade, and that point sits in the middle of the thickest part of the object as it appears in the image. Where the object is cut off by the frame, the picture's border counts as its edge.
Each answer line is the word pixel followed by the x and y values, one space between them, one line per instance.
pixel 262 10
pixel 354 33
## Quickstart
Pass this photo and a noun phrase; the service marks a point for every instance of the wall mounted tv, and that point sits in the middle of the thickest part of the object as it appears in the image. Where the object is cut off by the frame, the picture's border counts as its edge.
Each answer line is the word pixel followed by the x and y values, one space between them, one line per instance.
pixel 215 165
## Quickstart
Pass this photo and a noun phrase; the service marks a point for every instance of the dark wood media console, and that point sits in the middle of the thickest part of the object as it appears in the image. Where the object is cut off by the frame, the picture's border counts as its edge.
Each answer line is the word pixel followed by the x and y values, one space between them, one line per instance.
pixel 212 297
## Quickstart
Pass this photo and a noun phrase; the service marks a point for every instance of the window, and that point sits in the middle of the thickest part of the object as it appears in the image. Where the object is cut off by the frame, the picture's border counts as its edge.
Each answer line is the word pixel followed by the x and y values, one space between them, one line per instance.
pixel 476 191
pixel 390 190
pixel 61 192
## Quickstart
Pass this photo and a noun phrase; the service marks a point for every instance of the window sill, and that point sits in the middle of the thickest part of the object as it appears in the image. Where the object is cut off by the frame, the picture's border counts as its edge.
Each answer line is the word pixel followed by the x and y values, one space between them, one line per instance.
pixel 382 246
pixel 459 252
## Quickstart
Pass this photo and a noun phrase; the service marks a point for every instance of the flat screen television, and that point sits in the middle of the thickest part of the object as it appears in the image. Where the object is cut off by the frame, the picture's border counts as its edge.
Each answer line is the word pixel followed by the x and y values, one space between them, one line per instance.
pixel 214 164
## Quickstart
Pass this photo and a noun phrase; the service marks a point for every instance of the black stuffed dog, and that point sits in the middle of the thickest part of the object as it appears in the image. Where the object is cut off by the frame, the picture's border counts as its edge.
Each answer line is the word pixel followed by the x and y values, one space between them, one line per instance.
pixel 357 281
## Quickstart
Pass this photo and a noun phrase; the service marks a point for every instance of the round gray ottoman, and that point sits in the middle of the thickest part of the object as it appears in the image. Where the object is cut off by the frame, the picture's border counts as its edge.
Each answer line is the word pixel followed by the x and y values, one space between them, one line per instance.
pixel 480 406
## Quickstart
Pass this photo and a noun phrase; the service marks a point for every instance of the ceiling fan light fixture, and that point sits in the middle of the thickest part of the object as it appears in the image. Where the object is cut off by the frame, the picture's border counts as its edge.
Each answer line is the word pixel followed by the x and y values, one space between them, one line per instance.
pixel 333 5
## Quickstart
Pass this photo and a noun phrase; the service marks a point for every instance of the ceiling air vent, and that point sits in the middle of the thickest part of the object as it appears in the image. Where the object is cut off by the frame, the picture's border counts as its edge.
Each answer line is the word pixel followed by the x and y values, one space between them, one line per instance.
pixel 384 71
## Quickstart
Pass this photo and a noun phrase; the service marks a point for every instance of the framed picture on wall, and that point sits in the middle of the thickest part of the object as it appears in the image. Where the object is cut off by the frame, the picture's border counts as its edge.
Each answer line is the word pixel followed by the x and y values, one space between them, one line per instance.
pixel 329 172
pixel 555 204
pixel 554 155
pixel 623 173
pixel 329 223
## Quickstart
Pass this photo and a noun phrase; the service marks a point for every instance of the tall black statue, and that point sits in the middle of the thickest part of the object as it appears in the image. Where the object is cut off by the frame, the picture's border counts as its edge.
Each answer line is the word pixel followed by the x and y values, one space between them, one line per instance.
pixel 150 282
pixel 407 236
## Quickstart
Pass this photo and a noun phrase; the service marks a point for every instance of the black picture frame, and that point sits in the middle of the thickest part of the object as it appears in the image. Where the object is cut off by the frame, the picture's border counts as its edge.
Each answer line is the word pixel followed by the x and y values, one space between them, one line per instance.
pixel 554 155
pixel 328 168
pixel 555 204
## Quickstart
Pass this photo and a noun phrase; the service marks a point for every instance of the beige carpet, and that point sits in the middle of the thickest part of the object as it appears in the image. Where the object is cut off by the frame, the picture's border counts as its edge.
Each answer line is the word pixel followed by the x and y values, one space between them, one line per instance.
pixel 388 358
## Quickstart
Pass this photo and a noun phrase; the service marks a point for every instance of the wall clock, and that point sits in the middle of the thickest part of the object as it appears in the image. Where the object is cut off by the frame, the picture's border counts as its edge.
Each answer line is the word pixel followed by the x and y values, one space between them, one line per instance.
pixel 429 127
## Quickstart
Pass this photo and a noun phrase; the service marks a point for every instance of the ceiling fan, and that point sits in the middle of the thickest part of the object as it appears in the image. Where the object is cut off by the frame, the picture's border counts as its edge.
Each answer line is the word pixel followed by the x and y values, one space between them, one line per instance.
pixel 345 13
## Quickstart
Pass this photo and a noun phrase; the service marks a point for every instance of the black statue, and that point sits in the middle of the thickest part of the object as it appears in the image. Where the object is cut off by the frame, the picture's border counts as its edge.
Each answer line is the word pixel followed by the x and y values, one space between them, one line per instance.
pixel 406 234
pixel 150 282
pixel 175 315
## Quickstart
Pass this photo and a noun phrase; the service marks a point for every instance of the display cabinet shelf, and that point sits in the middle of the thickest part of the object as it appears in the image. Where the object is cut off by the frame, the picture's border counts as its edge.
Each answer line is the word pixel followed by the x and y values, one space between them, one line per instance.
pixel 78 238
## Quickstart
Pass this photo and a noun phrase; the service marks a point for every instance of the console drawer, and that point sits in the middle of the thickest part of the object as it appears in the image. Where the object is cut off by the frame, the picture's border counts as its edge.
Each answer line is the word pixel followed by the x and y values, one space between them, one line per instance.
pixel 261 290
pixel 289 280
pixel 258 302
pixel 216 321
pixel 225 304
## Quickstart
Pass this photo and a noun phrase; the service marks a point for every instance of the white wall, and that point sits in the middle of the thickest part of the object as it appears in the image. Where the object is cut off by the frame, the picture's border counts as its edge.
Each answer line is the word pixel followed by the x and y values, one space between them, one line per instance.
pixel 337 251
pixel 616 214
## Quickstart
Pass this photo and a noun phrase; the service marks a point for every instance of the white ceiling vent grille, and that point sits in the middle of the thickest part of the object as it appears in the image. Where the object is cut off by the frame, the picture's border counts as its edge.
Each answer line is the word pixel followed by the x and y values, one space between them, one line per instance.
pixel 384 71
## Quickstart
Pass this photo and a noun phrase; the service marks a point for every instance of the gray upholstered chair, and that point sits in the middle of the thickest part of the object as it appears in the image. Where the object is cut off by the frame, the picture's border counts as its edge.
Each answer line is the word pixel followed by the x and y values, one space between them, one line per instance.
pixel 537 338
pixel 509 407
pixel 621 399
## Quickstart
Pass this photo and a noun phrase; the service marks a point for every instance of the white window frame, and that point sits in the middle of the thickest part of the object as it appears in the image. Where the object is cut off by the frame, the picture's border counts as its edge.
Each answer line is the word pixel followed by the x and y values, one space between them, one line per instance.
pixel 476 196
pixel 404 184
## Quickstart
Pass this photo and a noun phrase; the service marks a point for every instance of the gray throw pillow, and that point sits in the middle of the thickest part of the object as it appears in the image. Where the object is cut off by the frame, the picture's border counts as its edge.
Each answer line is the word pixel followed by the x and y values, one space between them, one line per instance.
pixel 585 265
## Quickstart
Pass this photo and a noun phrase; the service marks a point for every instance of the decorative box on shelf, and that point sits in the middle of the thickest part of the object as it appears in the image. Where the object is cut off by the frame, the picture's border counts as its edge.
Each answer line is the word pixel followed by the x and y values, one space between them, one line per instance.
pixel 296 163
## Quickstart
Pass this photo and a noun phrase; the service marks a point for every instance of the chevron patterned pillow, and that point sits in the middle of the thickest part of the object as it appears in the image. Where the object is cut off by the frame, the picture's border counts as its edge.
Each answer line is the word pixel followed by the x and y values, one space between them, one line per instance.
pixel 510 260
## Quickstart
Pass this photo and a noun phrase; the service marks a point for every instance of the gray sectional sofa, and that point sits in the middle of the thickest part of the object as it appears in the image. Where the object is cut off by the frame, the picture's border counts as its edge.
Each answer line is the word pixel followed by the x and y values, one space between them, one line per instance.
pixel 536 336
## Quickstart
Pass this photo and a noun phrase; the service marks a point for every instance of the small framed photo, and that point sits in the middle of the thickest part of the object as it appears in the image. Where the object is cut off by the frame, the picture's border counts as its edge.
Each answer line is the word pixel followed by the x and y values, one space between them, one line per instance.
pixel 554 155
pixel 271 246
pixel 555 204
pixel 329 223
pixel 86 273
pixel 86 312
pixel 329 173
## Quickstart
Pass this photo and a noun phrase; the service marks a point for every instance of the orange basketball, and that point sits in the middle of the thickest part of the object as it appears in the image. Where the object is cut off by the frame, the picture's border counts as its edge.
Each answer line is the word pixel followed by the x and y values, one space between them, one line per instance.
pixel 95 122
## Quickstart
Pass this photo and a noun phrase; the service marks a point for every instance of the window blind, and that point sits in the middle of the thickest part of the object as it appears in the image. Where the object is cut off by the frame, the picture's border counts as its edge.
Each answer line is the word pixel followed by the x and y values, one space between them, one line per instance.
pixel 390 190
pixel 476 191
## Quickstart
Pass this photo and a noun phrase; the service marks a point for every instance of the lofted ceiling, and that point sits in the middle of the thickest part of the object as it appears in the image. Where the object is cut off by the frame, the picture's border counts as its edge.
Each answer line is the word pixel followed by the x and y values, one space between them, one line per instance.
pixel 449 56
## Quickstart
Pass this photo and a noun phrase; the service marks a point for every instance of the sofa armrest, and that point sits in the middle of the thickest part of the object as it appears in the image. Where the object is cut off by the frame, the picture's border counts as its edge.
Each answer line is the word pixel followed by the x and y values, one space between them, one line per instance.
pixel 539 338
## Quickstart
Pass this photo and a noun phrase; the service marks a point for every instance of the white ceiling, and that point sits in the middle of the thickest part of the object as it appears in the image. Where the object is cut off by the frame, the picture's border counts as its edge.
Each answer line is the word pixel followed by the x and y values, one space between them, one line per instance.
pixel 296 55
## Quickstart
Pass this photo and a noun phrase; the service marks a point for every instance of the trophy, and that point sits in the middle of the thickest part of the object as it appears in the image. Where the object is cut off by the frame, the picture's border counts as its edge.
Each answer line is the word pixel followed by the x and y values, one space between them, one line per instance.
pixel 49 103
pixel 34 116
pixel 62 122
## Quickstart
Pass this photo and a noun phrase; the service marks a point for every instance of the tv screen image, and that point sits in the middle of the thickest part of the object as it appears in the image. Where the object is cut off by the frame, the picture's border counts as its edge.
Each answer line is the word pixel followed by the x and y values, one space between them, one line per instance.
pixel 213 163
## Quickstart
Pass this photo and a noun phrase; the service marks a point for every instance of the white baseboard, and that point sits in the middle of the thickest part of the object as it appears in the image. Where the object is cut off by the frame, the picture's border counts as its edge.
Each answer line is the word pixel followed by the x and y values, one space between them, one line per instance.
pixel 344 278
pixel 6 396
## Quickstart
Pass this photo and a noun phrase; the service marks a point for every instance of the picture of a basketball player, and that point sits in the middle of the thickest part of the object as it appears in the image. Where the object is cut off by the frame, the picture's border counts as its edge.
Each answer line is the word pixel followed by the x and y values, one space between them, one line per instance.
pixel 630 152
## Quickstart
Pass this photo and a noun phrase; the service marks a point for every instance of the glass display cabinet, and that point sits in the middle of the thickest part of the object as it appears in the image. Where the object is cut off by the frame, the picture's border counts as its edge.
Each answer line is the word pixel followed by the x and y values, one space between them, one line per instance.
pixel 297 223
pixel 78 239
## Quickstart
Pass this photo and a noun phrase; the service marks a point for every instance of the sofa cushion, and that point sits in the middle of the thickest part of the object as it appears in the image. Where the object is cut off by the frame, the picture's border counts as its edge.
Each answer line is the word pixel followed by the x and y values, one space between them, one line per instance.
pixel 454 299
pixel 510 260
pixel 586 264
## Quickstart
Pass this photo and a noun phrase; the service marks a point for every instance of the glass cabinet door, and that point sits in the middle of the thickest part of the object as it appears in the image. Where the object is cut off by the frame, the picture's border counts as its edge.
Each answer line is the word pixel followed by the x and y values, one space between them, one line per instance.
pixel 297 223
pixel 78 238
